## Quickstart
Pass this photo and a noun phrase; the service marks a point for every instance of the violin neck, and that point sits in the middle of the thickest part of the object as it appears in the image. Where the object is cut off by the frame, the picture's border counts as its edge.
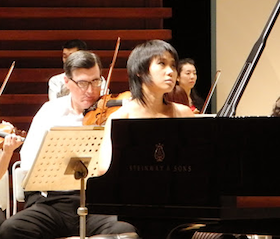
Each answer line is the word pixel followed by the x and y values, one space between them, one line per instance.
pixel 4 134
pixel 113 103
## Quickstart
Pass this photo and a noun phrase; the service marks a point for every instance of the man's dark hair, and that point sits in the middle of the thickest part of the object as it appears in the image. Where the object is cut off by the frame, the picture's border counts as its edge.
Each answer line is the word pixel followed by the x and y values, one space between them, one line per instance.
pixel 75 43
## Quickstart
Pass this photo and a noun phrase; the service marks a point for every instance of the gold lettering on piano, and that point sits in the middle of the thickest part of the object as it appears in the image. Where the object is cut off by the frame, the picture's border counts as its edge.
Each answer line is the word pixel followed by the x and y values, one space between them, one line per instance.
pixel 161 168
pixel 182 169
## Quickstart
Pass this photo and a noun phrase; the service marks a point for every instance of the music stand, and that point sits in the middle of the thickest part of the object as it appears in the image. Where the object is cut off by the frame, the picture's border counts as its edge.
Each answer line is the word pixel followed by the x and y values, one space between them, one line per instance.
pixel 64 152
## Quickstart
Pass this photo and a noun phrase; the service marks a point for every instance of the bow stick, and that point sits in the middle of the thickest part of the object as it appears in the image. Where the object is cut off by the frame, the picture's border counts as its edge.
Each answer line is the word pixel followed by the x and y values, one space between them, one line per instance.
pixel 7 77
pixel 218 74
pixel 109 75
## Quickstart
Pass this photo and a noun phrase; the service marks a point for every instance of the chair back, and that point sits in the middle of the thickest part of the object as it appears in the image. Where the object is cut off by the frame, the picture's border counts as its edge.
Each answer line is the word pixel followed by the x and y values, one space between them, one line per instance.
pixel 18 191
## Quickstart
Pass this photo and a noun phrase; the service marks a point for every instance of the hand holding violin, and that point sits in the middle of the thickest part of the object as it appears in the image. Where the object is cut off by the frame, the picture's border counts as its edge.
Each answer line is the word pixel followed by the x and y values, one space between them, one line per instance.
pixel 10 137
pixel 11 143
pixel 8 143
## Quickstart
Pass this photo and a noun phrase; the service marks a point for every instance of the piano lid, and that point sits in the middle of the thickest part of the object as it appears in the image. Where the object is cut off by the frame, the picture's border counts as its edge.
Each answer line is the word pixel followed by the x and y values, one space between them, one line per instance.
pixel 189 161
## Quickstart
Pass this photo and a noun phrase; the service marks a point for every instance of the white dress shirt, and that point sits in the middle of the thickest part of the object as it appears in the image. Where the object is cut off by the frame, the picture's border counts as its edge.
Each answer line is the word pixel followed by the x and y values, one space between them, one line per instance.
pixel 57 112
pixel 56 84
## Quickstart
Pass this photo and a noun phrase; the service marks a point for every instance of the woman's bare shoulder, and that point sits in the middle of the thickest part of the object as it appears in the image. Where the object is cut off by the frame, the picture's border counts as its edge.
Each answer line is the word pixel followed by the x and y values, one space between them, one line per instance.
pixel 182 110
pixel 121 113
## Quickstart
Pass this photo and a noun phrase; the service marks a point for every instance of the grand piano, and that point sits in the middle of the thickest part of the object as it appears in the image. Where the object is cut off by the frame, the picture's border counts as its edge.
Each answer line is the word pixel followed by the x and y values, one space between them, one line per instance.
pixel 222 171
pixel 167 172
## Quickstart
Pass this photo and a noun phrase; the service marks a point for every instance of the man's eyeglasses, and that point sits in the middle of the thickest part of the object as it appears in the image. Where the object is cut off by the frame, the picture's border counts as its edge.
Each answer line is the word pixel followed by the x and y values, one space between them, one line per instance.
pixel 83 85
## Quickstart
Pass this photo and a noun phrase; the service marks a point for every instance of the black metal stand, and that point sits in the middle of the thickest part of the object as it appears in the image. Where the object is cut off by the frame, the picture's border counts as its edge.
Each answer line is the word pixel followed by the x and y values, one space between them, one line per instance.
pixel 81 173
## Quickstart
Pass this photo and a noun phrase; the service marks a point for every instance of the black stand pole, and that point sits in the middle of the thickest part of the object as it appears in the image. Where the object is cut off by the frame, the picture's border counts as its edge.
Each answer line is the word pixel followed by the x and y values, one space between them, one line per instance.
pixel 81 173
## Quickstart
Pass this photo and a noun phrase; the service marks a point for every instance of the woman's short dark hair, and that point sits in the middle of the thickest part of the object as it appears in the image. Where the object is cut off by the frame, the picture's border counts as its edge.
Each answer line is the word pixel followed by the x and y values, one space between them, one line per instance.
pixel 81 59
pixel 139 62
pixel 183 62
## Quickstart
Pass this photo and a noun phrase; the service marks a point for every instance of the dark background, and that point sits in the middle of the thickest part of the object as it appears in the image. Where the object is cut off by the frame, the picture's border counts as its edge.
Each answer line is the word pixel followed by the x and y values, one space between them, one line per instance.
pixel 191 30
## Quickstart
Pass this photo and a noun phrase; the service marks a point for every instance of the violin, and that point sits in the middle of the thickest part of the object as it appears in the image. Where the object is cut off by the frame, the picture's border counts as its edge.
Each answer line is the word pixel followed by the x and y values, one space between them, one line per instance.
pixel 98 114
pixel 7 129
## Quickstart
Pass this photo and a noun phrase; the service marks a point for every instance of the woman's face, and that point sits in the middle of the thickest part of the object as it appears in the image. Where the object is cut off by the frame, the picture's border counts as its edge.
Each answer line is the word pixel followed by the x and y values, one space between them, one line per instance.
pixel 187 77
pixel 163 72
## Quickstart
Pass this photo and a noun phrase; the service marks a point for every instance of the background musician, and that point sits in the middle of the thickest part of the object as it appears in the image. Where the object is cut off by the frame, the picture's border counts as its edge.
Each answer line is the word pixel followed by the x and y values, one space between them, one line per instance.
pixel 54 215
pixel 187 77
pixel 9 144
pixel 152 72
pixel 56 83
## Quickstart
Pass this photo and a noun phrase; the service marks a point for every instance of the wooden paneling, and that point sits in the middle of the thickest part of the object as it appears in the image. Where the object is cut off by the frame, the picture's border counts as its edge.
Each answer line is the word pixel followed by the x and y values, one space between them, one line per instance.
pixel 33 32
pixel 29 99
pixel 84 3
pixel 33 75
pixel 60 18
pixel 101 35
pixel 54 53
pixel 52 58
pixel 66 12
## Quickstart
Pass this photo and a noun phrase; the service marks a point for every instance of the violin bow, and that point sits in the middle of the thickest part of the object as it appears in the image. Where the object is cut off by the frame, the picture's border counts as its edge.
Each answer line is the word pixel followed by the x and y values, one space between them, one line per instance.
pixel 7 77
pixel 110 74
pixel 112 64
pixel 213 87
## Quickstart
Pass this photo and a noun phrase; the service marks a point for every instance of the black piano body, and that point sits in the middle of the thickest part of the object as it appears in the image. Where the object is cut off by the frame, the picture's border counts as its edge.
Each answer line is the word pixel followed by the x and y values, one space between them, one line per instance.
pixel 166 172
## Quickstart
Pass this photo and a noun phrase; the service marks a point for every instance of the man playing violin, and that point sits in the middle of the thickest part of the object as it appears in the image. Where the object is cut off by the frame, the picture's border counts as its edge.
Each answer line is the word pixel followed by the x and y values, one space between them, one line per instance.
pixel 54 215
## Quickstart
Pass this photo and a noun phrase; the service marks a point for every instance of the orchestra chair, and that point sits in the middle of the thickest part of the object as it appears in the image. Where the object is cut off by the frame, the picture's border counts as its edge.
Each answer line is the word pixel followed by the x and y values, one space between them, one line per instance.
pixel 5 194
pixel 18 175
pixel 18 192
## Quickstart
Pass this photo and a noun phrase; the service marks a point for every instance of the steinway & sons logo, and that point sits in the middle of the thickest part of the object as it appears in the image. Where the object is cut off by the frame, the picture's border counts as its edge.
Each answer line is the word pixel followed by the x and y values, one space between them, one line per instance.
pixel 159 156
